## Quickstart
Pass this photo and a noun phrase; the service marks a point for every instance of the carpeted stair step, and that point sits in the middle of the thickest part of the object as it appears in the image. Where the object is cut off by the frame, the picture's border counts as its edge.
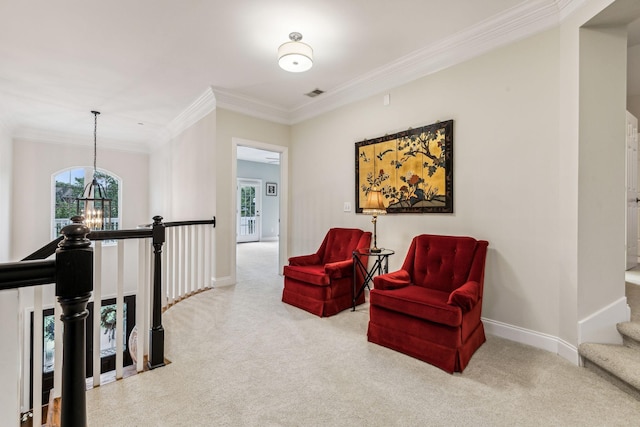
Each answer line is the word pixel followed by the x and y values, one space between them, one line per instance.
pixel 630 332
pixel 619 364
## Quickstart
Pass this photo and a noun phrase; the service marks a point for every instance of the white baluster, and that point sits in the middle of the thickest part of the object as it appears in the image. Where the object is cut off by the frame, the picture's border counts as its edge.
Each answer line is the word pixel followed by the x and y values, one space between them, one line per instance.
pixel 97 310
pixel 120 312
pixel 37 352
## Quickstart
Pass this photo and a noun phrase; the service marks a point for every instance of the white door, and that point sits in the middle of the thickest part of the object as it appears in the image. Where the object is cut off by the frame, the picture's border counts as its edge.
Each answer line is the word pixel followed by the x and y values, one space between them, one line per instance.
pixel 248 210
pixel 632 191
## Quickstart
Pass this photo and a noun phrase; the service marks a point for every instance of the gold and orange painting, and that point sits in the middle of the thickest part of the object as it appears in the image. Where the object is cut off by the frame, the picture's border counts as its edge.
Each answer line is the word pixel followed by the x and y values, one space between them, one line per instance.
pixel 413 169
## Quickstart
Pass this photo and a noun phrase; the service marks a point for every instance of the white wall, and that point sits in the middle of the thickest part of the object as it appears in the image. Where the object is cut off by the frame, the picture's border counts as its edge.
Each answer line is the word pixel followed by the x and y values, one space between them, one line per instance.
pixel 182 176
pixel 633 104
pixel 9 315
pixel 6 176
pixel 160 173
pixel 193 195
pixel 633 65
pixel 9 358
pixel 602 134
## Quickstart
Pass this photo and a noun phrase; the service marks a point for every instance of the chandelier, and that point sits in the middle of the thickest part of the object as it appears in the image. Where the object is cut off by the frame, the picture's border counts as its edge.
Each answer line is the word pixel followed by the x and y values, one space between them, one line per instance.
pixel 94 205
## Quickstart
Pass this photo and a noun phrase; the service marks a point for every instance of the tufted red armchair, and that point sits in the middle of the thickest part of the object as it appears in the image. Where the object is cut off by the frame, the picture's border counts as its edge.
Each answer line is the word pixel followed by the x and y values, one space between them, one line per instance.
pixel 322 283
pixel 430 308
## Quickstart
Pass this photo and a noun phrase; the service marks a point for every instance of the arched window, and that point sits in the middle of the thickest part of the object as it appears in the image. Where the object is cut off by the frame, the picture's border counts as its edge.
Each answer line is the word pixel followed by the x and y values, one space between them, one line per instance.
pixel 69 184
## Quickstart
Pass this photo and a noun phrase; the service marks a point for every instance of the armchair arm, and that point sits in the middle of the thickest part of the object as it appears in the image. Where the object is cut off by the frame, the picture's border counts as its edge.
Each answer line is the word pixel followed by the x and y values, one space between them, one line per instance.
pixel 313 259
pixel 466 296
pixel 395 280
pixel 339 269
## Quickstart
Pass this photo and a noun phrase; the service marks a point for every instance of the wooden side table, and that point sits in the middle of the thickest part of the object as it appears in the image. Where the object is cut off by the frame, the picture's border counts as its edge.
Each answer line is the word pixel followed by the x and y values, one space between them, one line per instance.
pixel 380 265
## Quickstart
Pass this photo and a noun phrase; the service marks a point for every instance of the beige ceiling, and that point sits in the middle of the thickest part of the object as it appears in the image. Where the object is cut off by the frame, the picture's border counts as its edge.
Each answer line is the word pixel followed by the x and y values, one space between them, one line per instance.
pixel 143 62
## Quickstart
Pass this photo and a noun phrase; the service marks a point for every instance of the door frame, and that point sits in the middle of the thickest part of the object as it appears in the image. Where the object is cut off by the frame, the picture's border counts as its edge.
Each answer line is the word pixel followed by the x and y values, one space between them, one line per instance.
pixel 632 191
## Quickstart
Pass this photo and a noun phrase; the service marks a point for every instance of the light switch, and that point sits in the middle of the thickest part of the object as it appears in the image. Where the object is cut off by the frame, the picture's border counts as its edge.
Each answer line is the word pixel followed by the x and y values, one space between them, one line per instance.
pixel 347 206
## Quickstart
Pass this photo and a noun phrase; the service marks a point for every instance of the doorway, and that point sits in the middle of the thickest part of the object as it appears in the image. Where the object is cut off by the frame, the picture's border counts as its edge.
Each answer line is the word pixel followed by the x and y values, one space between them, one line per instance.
pixel 273 209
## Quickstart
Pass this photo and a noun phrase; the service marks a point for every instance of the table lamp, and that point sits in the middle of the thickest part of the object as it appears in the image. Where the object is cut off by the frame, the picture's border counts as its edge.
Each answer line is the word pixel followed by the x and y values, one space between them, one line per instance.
pixel 374 205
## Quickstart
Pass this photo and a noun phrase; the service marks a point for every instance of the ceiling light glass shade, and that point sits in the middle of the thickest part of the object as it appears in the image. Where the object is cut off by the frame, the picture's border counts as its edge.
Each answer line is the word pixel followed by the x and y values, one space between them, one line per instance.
pixel 295 56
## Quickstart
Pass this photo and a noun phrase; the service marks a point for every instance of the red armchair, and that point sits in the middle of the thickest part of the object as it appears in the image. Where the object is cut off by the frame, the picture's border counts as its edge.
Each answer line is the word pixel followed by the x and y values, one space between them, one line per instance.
pixel 322 283
pixel 430 308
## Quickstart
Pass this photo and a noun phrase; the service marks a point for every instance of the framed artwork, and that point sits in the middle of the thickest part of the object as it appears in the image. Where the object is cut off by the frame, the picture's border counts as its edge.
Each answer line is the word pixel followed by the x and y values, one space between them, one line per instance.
pixel 272 189
pixel 413 169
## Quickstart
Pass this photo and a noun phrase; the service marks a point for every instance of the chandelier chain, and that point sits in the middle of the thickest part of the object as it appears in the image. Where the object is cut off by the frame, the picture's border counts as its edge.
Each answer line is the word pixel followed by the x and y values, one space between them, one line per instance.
pixel 95 140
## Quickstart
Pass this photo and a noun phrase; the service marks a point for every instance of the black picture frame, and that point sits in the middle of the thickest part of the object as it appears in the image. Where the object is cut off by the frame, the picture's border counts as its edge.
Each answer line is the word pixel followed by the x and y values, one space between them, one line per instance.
pixel 413 169
pixel 271 189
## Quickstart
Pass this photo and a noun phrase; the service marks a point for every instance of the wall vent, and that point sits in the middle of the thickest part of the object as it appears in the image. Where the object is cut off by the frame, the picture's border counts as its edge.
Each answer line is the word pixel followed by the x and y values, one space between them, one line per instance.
pixel 314 93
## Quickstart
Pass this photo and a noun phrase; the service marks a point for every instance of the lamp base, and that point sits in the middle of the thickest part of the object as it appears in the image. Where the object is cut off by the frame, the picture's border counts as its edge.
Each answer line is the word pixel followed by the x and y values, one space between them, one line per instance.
pixel 375 250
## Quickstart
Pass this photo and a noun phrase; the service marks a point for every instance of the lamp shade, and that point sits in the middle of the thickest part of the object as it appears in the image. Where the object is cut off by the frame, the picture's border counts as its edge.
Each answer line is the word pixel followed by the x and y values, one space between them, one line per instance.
pixel 295 56
pixel 374 205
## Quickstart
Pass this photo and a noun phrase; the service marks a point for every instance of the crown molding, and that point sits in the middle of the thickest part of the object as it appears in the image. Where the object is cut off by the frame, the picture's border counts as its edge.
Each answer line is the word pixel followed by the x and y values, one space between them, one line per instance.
pixel 567 7
pixel 514 24
pixel 252 107
pixel 199 108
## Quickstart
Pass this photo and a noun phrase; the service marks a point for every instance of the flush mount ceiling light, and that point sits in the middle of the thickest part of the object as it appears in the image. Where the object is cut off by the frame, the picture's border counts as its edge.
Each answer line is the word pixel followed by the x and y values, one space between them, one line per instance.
pixel 295 56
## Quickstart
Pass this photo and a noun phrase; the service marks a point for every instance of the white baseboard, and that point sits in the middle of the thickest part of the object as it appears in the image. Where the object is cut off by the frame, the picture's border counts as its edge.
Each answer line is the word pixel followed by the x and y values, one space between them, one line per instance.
pixel 532 338
pixel 222 281
pixel 600 327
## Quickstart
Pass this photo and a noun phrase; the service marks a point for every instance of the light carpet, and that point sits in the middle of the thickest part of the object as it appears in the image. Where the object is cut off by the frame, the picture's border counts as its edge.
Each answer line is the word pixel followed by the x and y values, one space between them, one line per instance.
pixel 241 357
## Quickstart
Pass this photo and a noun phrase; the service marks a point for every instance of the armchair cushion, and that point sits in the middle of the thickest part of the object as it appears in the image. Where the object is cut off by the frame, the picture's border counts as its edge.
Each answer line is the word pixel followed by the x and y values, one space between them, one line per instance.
pixel 416 301
pixel 311 274
pixel 466 296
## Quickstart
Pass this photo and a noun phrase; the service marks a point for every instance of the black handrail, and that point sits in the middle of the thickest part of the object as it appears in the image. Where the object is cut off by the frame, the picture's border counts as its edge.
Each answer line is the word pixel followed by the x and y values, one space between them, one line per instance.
pixel 136 233
pixel 27 273
pixel 183 223
pixel 199 222
pixel 46 251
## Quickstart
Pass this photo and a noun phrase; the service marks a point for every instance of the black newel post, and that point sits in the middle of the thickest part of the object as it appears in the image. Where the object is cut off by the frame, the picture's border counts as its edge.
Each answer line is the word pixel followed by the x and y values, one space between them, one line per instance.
pixel 74 284
pixel 156 333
